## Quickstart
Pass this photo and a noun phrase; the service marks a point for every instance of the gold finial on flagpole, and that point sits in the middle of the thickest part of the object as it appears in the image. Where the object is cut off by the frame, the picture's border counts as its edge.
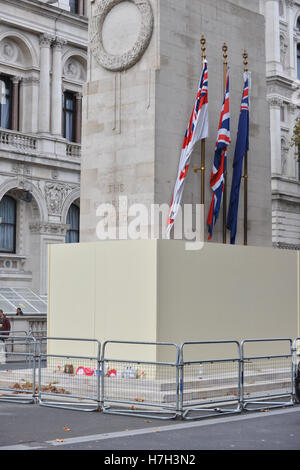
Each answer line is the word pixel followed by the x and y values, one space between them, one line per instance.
pixel 225 55
pixel 203 47
pixel 245 57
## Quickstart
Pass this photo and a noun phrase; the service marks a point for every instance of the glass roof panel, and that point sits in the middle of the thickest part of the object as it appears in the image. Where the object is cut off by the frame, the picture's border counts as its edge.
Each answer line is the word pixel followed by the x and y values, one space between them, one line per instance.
pixel 31 303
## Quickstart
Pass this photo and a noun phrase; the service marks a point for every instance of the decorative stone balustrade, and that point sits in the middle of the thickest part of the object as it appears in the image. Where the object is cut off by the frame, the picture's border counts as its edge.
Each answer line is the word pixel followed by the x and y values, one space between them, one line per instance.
pixel 73 150
pixel 18 141
pixel 11 263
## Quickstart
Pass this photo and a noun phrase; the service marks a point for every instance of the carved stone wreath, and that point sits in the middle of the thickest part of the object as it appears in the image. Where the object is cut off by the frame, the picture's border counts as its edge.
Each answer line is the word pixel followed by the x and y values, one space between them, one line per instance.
pixel 124 61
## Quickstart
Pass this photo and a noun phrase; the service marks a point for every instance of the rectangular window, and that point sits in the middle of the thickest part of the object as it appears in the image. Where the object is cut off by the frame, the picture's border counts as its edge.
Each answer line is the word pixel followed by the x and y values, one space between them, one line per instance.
pixel 5 102
pixel 72 235
pixel 69 116
pixel 298 61
pixel 8 225
pixel 74 6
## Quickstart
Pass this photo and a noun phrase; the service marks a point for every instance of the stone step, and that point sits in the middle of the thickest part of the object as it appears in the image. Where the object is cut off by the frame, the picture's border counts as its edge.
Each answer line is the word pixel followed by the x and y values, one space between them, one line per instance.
pixel 155 391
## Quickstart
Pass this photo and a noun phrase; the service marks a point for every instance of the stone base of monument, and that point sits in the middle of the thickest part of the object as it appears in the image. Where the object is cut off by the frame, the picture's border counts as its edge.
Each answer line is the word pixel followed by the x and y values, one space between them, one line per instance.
pixel 161 291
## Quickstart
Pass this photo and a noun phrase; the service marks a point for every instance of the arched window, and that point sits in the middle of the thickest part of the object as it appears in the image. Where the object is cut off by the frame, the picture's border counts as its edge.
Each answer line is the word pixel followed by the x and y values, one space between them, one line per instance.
pixel 5 102
pixel 73 220
pixel 298 23
pixel 298 61
pixel 8 225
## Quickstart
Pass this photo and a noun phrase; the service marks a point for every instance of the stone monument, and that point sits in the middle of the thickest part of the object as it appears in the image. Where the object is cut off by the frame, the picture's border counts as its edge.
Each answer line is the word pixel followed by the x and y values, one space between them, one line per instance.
pixel 144 68
pixel 143 74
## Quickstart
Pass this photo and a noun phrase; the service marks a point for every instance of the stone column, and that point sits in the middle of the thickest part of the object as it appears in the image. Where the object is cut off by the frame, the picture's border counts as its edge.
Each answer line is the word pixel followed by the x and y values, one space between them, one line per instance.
pixel 292 45
pixel 44 91
pixel 273 37
pixel 15 104
pixel 275 104
pixel 78 118
pixel 56 99
pixel 81 7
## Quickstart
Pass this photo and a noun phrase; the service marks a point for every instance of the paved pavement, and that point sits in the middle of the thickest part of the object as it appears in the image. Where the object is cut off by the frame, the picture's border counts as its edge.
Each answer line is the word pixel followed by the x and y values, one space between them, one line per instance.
pixel 33 427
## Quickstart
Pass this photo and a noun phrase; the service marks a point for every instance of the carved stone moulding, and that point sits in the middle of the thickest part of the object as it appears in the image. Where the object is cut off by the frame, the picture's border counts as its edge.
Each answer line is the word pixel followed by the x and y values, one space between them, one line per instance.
pixel 117 63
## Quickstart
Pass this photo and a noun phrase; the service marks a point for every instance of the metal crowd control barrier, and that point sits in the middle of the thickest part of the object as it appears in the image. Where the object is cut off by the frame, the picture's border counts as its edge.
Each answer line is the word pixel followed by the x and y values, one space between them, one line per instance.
pixel 14 333
pixel 70 381
pixel 18 366
pixel 208 387
pixel 296 369
pixel 139 387
pixel 267 377
pixel 41 337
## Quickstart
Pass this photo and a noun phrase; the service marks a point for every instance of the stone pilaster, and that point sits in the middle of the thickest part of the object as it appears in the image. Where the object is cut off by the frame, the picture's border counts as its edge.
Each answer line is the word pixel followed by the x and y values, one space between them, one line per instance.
pixel 56 98
pixel 273 35
pixel 15 103
pixel 275 102
pixel 44 91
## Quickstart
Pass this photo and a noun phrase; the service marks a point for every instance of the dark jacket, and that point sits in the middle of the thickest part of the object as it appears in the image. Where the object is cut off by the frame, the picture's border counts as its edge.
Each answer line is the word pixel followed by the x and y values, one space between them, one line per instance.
pixel 4 331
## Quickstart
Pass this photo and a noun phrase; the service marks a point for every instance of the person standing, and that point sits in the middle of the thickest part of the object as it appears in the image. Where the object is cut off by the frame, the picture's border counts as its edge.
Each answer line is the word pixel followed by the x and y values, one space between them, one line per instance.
pixel 4 332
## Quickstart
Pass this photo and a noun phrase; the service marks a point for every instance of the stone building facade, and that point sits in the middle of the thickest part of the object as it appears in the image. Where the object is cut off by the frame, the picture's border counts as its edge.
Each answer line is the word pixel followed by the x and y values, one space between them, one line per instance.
pixel 43 57
pixel 283 85
pixel 43 66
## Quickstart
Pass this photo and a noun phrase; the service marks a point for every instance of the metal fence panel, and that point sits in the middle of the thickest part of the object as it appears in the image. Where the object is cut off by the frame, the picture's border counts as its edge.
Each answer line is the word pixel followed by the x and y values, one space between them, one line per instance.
pixel 209 385
pixel 41 337
pixel 70 381
pixel 18 365
pixel 267 377
pixel 142 388
pixel 296 369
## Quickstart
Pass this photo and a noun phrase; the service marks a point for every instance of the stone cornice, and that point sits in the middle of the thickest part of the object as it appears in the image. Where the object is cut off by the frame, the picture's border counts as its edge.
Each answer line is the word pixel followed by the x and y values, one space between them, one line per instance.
pixel 49 10
pixel 286 246
pixel 280 80
pixel 52 13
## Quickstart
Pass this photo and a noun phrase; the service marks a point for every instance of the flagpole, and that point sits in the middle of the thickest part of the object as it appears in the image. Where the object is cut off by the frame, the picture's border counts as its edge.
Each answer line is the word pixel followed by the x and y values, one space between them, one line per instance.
pixel 245 57
pixel 203 141
pixel 225 64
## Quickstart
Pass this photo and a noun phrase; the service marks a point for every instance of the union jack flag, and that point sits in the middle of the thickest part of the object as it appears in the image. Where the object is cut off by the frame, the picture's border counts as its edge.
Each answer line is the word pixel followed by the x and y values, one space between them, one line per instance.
pixel 217 178
pixel 197 129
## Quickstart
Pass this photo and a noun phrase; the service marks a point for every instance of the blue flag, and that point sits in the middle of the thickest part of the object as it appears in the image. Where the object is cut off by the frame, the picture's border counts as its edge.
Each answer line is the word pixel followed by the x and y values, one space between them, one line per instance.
pixel 242 146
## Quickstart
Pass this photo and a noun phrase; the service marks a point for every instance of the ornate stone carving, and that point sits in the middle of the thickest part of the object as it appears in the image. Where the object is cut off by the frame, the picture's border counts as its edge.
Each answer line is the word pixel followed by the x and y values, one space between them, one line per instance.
pixel 56 194
pixel 283 50
pixel 49 228
pixel 118 63
pixel 46 40
pixel 275 101
pixel 9 50
pixel 73 69
pixel 290 3
pixel 59 43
